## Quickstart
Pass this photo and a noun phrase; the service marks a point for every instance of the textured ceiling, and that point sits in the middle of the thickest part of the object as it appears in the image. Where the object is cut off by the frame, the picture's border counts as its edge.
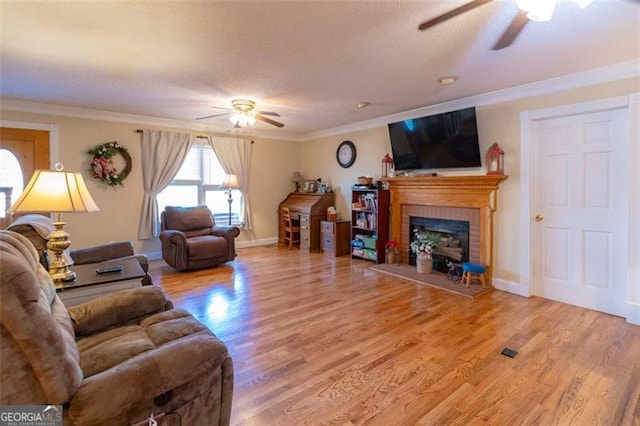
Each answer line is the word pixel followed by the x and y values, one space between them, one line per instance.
pixel 310 61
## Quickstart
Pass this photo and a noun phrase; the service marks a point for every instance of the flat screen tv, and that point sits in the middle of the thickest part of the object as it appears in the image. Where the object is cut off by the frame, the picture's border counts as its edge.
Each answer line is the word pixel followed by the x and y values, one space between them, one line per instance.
pixel 442 141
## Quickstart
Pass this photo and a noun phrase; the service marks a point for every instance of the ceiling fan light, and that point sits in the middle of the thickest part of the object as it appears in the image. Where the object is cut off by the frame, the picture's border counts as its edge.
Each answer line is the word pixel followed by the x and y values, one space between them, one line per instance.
pixel 538 10
pixel 583 3
pixel 251 120
pixel 234 118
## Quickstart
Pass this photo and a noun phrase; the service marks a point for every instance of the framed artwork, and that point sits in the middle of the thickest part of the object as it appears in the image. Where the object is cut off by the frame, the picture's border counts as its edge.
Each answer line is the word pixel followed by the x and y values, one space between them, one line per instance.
pixel 313 186
pixel 307 185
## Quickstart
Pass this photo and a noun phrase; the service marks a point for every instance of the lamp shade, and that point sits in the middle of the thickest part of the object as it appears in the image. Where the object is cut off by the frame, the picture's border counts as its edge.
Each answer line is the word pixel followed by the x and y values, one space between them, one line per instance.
pixel 55 191
pixel 230 181
pixel 296 177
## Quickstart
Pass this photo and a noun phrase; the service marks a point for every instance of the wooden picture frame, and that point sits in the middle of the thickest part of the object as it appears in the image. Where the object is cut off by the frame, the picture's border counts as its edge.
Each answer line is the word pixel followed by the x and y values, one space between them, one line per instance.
pixel 305 185
pixel 313 186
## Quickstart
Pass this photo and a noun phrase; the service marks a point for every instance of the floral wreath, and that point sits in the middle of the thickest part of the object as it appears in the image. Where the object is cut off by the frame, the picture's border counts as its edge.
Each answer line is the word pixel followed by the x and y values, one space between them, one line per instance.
pixel 102 167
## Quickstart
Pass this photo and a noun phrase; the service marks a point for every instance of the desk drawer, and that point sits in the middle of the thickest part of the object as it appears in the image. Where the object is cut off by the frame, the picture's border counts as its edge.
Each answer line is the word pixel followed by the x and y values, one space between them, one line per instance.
pixel 304 221
pixel 328 242
pixel 328 227
pixel 305 240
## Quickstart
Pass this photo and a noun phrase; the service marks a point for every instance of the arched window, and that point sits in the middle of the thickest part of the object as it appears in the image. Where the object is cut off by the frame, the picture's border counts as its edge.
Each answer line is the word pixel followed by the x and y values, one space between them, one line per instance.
pixel 10 177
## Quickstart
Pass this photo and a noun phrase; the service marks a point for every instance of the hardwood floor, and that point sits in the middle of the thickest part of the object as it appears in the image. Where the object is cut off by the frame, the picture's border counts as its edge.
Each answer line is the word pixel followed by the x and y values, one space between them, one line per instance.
pixel 321 341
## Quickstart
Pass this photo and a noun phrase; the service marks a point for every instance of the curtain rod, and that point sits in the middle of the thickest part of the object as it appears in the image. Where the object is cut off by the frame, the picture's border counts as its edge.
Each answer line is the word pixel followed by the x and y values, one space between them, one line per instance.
pixel 197 136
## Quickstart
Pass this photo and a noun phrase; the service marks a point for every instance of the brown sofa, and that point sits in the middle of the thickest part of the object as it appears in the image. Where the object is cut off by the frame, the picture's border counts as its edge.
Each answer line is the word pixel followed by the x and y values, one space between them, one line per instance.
pixel 37 228
pixel 192 240
pixel 112 361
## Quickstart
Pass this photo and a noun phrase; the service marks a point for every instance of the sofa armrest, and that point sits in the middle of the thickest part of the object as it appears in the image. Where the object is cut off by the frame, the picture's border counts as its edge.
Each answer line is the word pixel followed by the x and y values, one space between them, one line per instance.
pixel 154 374
pixel 117 308
pixel 102 252
pixel 229 233
pixel 174 248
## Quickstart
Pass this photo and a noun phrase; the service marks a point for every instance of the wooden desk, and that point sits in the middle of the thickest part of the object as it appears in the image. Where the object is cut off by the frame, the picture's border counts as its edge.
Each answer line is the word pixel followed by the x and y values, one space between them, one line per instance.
pixel 89 285
pixel 309 208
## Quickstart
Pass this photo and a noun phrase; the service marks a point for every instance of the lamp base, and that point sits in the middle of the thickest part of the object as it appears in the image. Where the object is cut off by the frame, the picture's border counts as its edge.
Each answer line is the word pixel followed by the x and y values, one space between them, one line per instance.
pixel 57 244
pixel 62 274
pixel 230 201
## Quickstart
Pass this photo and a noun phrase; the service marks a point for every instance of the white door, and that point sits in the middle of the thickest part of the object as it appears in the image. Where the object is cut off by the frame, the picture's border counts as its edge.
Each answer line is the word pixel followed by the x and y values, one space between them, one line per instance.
pixel 580 204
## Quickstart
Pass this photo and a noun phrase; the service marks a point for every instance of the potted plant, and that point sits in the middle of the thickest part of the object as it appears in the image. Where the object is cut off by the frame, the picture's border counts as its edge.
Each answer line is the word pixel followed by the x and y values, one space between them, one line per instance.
pixel 391 252
pixel 422 246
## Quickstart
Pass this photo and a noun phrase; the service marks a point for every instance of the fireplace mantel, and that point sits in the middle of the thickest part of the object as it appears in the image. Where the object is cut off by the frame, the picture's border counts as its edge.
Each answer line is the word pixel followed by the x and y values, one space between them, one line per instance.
pixel 470 192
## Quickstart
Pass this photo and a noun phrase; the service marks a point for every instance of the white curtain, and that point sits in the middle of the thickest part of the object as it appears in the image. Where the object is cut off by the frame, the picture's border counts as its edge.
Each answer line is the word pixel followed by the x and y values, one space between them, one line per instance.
pixel 162 155
pixel 235 157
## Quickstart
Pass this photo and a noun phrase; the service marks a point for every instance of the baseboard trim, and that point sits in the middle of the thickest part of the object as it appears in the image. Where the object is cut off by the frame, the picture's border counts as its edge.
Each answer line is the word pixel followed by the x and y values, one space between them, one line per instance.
pixel 154 255
pixel 157 255
pixel 255 243
pixel 510 286
pixel 633 313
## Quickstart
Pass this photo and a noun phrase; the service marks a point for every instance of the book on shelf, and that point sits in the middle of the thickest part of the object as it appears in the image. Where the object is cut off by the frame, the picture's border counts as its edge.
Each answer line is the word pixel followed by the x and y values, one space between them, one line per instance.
pixel 370 202
pixel 371 220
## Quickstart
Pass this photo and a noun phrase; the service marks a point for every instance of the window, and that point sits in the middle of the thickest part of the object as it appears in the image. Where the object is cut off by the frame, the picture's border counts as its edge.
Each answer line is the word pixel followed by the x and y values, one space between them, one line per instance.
pixel 10 177
pixel 198 183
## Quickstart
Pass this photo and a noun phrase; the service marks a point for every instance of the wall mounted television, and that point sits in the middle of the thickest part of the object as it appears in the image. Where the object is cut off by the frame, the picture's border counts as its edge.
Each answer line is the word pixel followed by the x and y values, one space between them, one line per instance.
pixel 443 141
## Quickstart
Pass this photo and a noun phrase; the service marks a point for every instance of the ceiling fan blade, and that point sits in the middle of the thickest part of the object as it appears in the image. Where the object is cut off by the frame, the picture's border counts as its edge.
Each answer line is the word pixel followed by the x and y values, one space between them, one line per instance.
pixel 268 120
pixel 516 26
pixel 211 116
pixel 451 14
pixel 271 113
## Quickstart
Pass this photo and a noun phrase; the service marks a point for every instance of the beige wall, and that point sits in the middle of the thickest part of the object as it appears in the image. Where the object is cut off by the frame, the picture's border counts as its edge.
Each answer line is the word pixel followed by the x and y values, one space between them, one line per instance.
pixel 496 123
pixel 273 163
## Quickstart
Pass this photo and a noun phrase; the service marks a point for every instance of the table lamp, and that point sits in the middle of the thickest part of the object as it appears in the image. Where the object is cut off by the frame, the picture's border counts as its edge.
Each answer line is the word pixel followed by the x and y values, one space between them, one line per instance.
pixel 230 182
pixel 56 192
pixel 296 178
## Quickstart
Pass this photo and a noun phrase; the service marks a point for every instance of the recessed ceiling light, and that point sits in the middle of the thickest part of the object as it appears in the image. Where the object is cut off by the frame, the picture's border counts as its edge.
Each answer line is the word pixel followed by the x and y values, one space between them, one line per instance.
pixel 363 104
pixel 448 80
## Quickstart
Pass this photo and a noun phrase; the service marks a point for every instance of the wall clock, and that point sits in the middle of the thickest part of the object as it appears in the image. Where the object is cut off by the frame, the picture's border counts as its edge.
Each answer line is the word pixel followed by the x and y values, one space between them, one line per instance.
pixel 346 154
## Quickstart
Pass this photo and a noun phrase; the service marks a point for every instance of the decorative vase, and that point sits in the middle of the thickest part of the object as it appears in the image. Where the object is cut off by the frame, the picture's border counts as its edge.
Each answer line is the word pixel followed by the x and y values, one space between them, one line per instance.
pixel 424 263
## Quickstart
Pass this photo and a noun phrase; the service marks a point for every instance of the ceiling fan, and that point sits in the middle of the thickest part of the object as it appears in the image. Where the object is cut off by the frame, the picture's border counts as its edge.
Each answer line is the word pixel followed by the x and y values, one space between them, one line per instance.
pixel 530 10
pixel 243 114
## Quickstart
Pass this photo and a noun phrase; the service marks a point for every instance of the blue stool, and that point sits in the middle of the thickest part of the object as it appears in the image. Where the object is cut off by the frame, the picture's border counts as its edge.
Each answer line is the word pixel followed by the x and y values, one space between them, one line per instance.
pixel 469 269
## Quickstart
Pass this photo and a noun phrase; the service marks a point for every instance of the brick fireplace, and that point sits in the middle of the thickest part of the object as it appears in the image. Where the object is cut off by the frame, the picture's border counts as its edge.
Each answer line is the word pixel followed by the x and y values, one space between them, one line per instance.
pixel 471 199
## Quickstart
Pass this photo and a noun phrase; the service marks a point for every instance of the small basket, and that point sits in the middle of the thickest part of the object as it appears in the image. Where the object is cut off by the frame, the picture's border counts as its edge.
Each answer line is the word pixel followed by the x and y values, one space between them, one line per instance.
pixel 362 180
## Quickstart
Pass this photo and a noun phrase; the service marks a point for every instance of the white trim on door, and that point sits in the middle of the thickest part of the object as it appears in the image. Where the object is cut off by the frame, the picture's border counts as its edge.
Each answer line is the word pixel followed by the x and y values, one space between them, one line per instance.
pixel 632 104
pixel 633 300
pixel 54 136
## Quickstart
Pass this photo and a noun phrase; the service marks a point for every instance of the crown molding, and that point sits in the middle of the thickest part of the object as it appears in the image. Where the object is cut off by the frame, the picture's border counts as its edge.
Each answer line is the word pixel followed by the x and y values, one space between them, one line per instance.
pixel 606 74
pixel 140 120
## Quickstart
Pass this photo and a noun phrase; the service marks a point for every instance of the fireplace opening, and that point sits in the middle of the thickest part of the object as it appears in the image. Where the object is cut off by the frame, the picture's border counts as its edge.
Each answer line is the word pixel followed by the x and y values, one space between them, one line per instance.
pixel 454 240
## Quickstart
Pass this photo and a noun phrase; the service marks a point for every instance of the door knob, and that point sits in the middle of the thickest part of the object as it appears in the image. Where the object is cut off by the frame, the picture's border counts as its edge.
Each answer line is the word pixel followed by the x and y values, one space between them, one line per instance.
pixel 539 218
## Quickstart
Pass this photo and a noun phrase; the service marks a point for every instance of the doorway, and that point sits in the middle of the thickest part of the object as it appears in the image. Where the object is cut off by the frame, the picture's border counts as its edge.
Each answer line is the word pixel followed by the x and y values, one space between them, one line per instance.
pixel 577 187
pixel 31 149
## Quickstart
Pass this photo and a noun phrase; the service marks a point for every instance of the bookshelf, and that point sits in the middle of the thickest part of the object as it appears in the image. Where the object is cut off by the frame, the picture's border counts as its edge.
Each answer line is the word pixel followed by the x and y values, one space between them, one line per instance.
pixel 369 223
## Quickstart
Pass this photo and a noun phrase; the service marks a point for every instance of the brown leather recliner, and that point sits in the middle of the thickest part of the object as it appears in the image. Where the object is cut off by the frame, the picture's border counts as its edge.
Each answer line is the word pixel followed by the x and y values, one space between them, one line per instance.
pixel 191 239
